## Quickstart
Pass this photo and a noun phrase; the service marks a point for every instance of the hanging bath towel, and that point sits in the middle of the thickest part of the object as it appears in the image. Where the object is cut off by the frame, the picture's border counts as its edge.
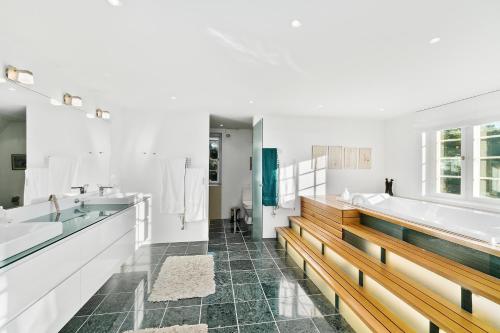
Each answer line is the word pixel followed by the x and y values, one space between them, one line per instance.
pixel 195 189
pixel 172 186
pixel 269 177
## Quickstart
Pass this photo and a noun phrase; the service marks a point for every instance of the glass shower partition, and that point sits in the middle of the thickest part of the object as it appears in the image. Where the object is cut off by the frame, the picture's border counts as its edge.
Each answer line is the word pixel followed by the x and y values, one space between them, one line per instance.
pixel 257 181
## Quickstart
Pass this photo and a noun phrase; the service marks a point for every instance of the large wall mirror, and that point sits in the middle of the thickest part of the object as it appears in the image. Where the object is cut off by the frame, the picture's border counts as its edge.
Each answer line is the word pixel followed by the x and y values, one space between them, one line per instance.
pixel 48 148
pixel 12 155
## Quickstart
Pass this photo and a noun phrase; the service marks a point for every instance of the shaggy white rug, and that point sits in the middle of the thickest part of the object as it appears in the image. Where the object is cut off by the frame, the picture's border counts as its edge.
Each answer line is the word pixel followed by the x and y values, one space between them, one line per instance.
pixel 184 277
pixel 175 329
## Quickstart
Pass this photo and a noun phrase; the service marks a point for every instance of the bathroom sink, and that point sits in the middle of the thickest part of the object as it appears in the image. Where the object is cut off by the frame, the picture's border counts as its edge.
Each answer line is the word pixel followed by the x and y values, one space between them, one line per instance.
pixel 113 199
pixel 17 237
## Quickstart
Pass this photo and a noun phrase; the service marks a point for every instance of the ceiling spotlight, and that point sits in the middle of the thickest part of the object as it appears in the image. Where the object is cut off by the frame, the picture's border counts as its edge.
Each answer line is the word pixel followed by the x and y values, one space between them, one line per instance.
pixel 90 115
pixel 435 40
pixel 221 125
pixel 19 75
pixel 173 98
pixel 296 24
pixel 55 102
pixel 102 114
pixel 251 102
pixel 115 3
pixel 72 100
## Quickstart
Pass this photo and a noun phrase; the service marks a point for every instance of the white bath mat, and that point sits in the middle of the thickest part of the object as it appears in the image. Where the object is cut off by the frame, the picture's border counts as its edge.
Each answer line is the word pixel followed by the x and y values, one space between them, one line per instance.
pixel 184 277
pixel 175 329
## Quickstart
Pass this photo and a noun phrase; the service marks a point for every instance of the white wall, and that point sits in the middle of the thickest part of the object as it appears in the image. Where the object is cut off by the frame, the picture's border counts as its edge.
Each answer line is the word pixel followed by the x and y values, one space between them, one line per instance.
pixel 294 138
pixel 170 136
pixel 236 152
pixel 12 141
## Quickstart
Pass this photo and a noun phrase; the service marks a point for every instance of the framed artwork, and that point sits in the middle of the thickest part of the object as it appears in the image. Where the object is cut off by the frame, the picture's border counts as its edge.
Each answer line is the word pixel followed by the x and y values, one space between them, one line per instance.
pixel 365 158
pixel 350 158
pixel 335 158
pixel 18 161
pixel 319 154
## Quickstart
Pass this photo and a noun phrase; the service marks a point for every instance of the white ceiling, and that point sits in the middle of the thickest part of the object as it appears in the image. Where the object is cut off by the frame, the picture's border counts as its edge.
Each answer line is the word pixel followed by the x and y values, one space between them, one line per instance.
pixel 359 58
pixel 231 122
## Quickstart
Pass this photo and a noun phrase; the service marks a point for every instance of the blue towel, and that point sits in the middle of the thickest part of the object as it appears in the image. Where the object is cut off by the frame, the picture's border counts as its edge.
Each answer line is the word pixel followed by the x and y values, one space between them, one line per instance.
pixel 269 177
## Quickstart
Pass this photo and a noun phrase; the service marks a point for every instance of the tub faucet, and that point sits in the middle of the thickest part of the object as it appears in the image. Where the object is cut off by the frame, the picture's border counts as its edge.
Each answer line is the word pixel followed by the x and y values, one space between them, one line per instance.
pixel 83 189
pixel 102 188
pixel 53 199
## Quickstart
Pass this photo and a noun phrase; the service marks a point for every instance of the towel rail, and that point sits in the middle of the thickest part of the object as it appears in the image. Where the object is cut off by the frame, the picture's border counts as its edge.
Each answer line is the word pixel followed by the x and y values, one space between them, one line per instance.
pixel 183 218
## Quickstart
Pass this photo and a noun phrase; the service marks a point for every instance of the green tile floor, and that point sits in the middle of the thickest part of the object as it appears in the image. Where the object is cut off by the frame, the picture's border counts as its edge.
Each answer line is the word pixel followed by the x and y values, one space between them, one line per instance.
pixel 259 289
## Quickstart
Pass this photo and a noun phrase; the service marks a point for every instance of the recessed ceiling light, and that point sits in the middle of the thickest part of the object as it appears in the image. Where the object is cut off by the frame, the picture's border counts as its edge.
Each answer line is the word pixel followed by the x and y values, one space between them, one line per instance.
pixel 381 109
pixel 90 115
pixel 173 98
pixel 296 24
pixel 115 3
pixel 221 125
pixel 251 102
pixel 320 106
pixel 55 102
pixel 435 40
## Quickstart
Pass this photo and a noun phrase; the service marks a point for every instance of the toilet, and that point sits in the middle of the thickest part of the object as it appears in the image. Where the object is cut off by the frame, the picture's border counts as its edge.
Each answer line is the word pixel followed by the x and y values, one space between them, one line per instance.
pixel 246 197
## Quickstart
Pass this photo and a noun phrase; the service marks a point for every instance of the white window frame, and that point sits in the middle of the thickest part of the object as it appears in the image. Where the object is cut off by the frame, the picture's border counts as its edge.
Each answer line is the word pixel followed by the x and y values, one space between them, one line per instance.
pixel 430 167
pixel 463 167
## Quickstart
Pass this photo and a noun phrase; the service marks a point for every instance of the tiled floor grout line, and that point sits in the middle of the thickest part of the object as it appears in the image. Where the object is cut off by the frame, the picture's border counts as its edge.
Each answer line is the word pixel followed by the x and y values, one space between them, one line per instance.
pixel 232 285
pixel 261 288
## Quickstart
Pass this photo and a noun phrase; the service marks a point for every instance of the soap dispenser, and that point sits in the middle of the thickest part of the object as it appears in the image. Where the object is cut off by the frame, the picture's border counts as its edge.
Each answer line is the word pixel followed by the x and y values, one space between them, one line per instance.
pixel 346 195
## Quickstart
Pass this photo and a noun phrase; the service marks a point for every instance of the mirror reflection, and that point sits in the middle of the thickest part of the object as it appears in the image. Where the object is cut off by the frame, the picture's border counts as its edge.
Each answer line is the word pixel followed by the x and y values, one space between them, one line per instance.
pixel 12 155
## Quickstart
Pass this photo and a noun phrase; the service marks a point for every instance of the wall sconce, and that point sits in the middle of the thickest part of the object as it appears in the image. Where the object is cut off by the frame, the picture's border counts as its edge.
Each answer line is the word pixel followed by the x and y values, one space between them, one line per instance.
pixel 72 100
pixel 19 75
pixel 102 114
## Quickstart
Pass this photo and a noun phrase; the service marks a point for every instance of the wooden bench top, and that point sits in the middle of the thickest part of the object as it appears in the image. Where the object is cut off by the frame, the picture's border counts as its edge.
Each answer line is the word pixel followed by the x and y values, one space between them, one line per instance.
pixel 369 310
pixel 432 306
pixel 478 282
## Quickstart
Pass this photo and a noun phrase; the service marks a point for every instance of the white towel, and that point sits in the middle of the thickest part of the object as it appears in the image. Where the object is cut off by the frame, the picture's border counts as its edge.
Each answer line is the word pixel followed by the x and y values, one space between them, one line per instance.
pixel 172 186
pixel 92 170
pixel 287 187
pixel 195 195
pixel 36 184
pixel 61 174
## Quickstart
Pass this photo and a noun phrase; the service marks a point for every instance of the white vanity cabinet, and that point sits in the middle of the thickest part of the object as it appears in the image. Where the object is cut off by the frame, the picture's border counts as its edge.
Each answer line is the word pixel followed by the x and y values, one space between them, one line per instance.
pixel 41 292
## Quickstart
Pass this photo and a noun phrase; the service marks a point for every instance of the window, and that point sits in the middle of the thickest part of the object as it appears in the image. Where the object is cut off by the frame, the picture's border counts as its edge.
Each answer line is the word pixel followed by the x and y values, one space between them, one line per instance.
pixel 214 166
pixel 488 152
pixel 449 164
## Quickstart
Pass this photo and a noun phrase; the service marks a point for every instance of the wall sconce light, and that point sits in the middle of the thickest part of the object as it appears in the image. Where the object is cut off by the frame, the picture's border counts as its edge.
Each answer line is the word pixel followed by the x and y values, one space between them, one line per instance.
pixel 72 100
pixel 102 114
pixel 19 75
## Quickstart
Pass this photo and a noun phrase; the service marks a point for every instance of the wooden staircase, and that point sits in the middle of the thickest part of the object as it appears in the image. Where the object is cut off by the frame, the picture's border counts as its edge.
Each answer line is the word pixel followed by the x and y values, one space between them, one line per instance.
pixel 414 291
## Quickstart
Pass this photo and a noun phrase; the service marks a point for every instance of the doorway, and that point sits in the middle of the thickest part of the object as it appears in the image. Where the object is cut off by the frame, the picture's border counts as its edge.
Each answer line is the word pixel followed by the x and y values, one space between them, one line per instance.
pixel 230 174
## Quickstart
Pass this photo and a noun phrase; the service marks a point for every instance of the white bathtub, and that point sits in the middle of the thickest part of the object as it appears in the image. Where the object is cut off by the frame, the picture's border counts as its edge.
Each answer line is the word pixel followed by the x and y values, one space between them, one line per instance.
pixel 480 225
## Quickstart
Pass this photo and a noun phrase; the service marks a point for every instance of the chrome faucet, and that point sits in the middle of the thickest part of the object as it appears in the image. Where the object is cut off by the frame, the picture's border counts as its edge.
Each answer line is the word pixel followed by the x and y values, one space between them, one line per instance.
pixel 83 189
pixel 102 188
pixel 53 199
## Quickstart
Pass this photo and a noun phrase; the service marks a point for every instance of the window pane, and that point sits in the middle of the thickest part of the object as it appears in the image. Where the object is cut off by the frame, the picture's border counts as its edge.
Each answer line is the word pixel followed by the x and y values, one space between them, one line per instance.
pixel 451 149
pixel 490 147
pixel 490 129
pixel 213 165
pixel 451 167
pixel 450 185
pixel 490 168
pixel 490 188
pixel 214 149
pixel 452 133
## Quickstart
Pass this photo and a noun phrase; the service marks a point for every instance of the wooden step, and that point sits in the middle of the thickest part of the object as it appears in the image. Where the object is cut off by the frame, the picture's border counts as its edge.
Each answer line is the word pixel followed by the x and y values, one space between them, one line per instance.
pixel 471 279
pixel 438 310
pixel 376 317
